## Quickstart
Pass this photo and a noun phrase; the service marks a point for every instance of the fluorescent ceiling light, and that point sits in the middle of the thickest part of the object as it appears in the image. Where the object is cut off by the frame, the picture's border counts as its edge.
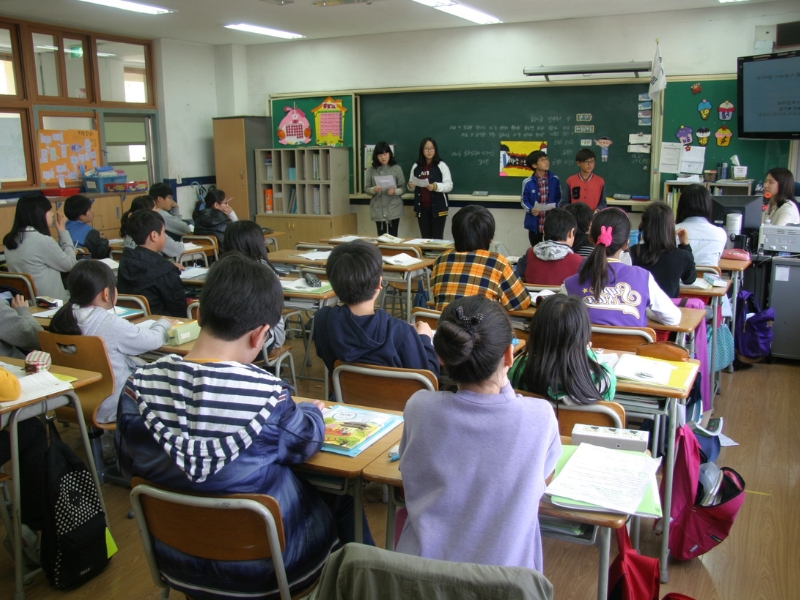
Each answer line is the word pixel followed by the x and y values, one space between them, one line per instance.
pixel 49 48
pixel 105 55
pixel 461 10
pixel 287 35
pixel 725 1
pixel 132 6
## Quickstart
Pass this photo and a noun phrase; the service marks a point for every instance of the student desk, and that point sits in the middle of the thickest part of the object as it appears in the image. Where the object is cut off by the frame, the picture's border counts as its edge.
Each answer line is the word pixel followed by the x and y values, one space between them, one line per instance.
pixel 736 269
pixel 271 239
pixel 11 414
pixel 349 469
pixel 407 273
pixel 428 247
pixel 388 473
pixel 45 321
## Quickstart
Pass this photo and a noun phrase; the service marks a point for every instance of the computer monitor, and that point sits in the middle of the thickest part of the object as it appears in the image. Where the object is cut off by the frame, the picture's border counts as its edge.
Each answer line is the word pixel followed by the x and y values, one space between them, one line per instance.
pixel 748 206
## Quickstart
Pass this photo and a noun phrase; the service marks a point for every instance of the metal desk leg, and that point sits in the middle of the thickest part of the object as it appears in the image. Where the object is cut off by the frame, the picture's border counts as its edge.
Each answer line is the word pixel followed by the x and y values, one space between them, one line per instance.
pixel 308 346
pixel 716 376
pixel 391 510
pixel 16 514
pixel 666 501
pixel 735 297
pixel 604 547
pixel 408 297
pixel 358 510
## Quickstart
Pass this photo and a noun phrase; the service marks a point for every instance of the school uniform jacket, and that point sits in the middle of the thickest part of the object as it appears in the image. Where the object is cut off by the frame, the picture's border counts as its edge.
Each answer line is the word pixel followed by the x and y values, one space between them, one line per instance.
pixel 147 273
pixel 212 221
pixel 530 196
pixel 384 207
pixel 440 175
pixel 591 192
pixel 87 236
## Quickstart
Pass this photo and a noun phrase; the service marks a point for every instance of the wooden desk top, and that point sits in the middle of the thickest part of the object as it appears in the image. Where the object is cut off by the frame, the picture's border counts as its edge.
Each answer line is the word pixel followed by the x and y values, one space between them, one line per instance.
pixel 45 321
pixel 83 378
pixel 714 292
pixel 372 240
pixel 291 257
pixel 734 265
pixel 690 318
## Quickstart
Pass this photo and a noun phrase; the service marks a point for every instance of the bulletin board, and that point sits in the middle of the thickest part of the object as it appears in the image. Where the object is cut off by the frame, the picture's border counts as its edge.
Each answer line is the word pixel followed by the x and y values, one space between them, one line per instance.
pixel 62 153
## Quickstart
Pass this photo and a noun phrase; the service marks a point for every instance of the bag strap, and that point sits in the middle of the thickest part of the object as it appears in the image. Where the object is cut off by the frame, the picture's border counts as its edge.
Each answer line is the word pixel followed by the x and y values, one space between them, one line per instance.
pixel 623 541
pixel 54 435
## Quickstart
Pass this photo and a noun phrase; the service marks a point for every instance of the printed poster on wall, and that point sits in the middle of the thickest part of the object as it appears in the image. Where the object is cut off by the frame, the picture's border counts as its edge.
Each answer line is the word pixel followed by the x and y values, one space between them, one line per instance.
pixel 513 155
pixel 61 154
pixel 329 122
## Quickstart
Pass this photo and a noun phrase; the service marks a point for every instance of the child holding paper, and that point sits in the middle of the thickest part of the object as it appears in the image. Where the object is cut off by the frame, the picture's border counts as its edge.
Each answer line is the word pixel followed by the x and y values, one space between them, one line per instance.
pixel 542 187
pixel 430 201
pixel 384 180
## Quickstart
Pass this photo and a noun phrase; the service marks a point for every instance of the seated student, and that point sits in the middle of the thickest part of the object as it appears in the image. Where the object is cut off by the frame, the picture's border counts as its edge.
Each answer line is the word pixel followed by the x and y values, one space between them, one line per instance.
pixel 166 206
pixel 172 249
pixel 356 332
pixel 471 269
pixel 694 215
pixel 143 271
pixel 248 238
pixel 585 186
pixel 471 501
pixel 90 311
pixel 78 210
pixel 31 250
pixel 616 293
pixel 550 262
pixel 657 252
pixel 558 361
pixel 18 328
pixel 212 215
pixel 583 220
pixel 250 451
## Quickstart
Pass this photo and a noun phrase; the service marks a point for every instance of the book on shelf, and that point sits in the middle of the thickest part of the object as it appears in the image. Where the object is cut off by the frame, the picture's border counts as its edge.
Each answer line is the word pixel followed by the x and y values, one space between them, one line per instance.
pixel 315 193
pixel 350 430
pixel 315 167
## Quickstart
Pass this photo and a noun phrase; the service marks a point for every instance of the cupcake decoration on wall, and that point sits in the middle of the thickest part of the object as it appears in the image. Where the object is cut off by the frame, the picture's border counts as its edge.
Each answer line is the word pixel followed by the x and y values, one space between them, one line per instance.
pixel 702 135
pixel 725 111
pixel 684 134
pixel 704 108
pixel 723 136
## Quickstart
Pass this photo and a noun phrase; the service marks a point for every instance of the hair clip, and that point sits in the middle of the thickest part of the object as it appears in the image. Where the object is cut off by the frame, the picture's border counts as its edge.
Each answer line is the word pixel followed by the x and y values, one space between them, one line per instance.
pixel 606 236
pixel 468 322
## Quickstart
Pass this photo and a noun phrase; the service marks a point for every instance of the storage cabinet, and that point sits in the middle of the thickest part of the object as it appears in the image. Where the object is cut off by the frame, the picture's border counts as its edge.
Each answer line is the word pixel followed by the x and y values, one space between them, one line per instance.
pixel 722 187
pixel 304 228
pixel 108 211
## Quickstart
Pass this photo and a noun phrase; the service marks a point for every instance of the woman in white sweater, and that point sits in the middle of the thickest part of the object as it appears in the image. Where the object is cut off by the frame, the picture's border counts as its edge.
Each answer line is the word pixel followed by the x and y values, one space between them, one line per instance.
pixel 90 311
pixel 694 215
pixel 779 189
pixel 31 250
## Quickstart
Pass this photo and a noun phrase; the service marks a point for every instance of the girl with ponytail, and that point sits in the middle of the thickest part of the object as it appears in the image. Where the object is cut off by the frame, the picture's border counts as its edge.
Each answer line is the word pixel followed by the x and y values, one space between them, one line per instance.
pixel 613 292
pixel 90 311
pixel 481 437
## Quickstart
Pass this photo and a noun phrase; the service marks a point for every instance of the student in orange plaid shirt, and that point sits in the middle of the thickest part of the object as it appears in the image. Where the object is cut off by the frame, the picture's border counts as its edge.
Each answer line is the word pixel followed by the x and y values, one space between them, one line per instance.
pixel 471 270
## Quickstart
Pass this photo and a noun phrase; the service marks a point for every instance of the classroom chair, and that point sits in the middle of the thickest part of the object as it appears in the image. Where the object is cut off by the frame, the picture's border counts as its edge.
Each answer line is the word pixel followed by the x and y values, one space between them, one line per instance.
pixel 135 302
pixel 602 414
pixel 209 243
pixel 388 388
pixel 627 339
pixel 275 359
pixel 85 352
pixel 193 310
pixel 20 281
pixel 115 255
pixel 394 285
pixel 427 315
pixel 309 246
pixel 707 269
pixel 234 527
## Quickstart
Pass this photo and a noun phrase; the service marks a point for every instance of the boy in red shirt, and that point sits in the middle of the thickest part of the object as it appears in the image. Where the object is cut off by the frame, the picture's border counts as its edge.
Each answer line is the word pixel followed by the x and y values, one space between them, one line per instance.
pixel 550 262
pixel 585 186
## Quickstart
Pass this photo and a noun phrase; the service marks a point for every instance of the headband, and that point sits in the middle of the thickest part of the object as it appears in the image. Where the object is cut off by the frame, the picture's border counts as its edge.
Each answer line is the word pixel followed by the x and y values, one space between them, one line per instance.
pixel 606 236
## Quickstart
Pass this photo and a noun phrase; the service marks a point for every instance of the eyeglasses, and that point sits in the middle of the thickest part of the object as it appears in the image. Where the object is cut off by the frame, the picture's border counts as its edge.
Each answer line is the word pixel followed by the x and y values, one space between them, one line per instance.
pixel 591 161
pixel 431 148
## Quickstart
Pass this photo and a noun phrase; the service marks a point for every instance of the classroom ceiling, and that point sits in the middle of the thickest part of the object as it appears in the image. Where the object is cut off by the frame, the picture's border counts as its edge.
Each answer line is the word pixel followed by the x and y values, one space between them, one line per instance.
pixel 202 20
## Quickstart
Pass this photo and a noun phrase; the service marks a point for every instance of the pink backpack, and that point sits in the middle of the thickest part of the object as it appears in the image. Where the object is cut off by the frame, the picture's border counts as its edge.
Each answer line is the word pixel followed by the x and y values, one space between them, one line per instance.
pixel 694 529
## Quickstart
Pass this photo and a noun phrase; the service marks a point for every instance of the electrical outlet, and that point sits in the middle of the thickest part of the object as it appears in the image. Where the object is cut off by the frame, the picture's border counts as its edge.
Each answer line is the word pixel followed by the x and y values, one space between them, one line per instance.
pixel 179 180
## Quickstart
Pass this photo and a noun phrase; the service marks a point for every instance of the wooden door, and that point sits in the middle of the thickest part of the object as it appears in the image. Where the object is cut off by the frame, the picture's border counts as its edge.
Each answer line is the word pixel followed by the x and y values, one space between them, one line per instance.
pixel 312 229
pixel 107 214
pixel 231 163
pixel 280 223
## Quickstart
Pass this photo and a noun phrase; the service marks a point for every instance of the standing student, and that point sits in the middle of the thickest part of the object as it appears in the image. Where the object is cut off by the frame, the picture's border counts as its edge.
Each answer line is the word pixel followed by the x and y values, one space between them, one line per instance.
pixel 31 250
pixel 386 205
pixel 78 209
pixel 694 215
pixel 541 187
pixel 475 461
pixel 781 208
pixel 90 311
pixel 430 202
pixel 583 220
pixel 613 292
pixel 212 215
pixel 169 211
pixel 656 251
pixel 172 248
pixel 585 186
pixel 558 361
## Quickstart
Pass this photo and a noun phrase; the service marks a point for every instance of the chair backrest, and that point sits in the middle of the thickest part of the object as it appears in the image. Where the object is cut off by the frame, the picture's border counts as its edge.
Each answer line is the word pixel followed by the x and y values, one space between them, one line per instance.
pixel 707 269
pixel 86 352
pixel 535 287
pixel 193 310
pixel 426 315
pixel 116 255
pixel 208 241
pixel 233 527
pixel 610 337
pixel 602 414
pixel 134 301
pixel 379 387
pixel 20 281
pixel 391 250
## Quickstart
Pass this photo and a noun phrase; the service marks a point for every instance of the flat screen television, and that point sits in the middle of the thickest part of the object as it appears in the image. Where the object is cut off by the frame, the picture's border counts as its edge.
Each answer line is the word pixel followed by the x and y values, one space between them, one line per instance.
pixel 748 206
pixel 768 90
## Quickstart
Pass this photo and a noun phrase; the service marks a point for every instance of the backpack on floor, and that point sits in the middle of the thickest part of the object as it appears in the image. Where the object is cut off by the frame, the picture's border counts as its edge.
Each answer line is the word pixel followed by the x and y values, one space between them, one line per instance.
pixel 74 538
pixel 632 576
pixel 753 336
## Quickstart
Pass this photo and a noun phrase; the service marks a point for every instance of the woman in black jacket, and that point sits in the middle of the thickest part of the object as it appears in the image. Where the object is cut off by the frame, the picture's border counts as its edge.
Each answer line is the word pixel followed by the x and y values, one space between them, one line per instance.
pixel 212 215
pixel 430 202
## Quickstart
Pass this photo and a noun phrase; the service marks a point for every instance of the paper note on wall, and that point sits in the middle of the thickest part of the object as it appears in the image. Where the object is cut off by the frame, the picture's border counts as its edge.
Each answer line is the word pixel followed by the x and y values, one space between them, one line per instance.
pixel 64 152
pixel 670 157
pixel 692 159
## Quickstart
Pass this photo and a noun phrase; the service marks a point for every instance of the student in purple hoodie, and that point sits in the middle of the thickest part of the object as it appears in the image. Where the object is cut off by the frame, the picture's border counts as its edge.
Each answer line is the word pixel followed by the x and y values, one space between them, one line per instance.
pixel 356 331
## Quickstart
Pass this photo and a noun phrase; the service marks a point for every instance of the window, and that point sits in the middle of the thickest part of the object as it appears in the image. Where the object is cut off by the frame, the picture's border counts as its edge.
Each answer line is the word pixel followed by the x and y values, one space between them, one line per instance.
pixel 15 166
pixel 60 65
pixel 122 69
pixel 75 67
pixel 8 76
pixel 128 142
pixel 45 54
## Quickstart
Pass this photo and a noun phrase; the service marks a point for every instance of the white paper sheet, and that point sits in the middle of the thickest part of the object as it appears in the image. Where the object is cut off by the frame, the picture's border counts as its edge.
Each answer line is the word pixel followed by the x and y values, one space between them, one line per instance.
pixel 385 181
pixel 692 159
pixel 544 207
pixel 46 314
pixel 420 182
pixel 639 148
pixel 639 138
pixel 389 239
pixel 194 272
pixel 315 255
pixel 40 384
pixel 190 247
pixel 110 262
pixel 401 260
pixel 643 370
pixel 347 238
pixel 670 157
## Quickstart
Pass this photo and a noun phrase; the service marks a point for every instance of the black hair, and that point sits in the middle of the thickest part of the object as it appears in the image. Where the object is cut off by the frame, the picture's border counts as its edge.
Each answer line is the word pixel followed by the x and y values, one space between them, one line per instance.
pixel 657 233
pixel 213 196
pixel 76 206
pixel 138 203
pixel 240 295
pixel 582 213
pixel 421 160
pixel 471 337
pixel 32 209
pixel 785 181
pixel 247 237
pixel 86 279
pixel 558 225
pixel 354 270
pixel 594 269
pixel 159 190
pixel 583 155
pixel 556 362
pixel 473 228
pixel 142 223
pixel 382 148
pixel 534 157
pixel 695 201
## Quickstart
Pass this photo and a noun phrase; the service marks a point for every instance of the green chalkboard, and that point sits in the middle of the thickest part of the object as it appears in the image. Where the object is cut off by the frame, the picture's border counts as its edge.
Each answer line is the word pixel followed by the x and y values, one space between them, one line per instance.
pixel 681 109
pixel 469 125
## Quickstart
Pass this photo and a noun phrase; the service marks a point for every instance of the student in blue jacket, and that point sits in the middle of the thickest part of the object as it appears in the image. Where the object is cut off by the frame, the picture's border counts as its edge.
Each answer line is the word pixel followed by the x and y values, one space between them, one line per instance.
pixel 542 187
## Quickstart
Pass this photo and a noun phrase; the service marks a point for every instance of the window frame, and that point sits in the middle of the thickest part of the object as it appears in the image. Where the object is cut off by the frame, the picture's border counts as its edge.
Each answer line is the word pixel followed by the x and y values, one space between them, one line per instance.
pixel 16 57
pixel 149 75
pixel 28 137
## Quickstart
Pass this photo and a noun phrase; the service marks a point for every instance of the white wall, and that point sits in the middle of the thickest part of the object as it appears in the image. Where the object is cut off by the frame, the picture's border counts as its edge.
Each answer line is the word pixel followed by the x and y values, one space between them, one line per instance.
pixel 231 75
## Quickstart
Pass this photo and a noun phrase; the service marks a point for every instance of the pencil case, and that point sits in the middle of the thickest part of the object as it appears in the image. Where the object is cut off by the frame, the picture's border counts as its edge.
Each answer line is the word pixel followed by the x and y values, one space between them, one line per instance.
pixel 182 333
